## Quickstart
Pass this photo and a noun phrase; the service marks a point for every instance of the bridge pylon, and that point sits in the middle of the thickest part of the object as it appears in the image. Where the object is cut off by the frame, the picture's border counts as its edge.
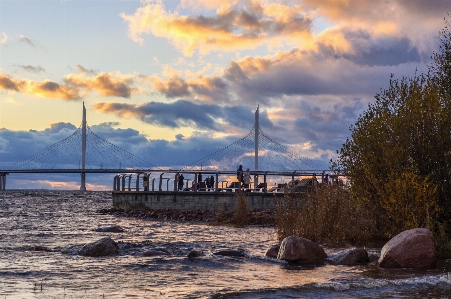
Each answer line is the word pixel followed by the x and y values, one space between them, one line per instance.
pixel 83 150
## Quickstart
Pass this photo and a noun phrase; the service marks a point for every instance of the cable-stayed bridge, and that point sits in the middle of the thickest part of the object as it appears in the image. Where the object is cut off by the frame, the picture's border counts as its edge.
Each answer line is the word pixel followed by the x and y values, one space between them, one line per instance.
pixel 85 152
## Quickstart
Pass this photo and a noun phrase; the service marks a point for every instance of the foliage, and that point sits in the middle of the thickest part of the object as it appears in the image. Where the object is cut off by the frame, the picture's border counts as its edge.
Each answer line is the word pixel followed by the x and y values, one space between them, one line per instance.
pixel 328 214
pixel 398 155
pixel 240 216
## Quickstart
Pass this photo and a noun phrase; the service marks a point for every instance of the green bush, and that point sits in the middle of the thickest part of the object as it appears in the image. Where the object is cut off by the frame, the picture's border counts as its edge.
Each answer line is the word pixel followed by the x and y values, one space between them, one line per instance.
pixel 397 157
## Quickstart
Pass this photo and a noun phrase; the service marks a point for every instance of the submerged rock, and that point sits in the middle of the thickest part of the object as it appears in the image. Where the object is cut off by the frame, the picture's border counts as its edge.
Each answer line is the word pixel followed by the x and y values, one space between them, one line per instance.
pixel 154 252
pixel 412 248
pixel 301 250
pixel 230 252
pixel 110 229
pixel 273 251
pixel 351 256
pixel 195 253
pixel 103 247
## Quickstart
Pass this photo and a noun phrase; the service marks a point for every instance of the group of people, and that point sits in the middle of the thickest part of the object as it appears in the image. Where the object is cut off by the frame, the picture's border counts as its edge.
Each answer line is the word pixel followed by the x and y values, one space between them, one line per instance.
pixel 244 177
pixel 209 182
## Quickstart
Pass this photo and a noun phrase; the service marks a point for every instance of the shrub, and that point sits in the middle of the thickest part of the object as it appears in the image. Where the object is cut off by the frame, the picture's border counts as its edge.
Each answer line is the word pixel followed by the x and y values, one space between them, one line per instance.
pixel 240 216
pixel 329 214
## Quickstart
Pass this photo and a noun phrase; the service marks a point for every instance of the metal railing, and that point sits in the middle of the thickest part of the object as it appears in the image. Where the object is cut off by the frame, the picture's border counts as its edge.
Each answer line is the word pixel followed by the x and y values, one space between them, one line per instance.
pixel 224 181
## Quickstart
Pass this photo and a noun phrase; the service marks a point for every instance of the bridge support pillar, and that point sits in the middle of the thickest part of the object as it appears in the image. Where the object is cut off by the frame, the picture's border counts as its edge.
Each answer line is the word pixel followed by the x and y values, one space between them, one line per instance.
pixel 83 182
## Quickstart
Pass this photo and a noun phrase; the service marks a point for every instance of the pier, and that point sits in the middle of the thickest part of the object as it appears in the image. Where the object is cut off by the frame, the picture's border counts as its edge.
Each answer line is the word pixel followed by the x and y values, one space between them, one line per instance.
pixel 158 190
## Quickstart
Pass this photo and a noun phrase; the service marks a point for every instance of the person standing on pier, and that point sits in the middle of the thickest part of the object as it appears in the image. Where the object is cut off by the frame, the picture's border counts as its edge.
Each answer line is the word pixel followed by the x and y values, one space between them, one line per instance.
pixel 180 182
pixel 239 174
pixel 246 179
pixel 212 182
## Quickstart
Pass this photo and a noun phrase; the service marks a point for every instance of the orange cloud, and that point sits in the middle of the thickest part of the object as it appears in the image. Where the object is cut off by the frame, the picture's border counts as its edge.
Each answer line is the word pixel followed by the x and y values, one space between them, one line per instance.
pixel 120 109
pixel 105 84
pixel 7 83
pixel 49 89
pixel 234 26
pixel 44 89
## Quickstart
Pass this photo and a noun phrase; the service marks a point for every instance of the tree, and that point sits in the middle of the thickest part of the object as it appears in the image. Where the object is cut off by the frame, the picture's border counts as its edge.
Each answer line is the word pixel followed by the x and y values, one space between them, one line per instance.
pixel 397 157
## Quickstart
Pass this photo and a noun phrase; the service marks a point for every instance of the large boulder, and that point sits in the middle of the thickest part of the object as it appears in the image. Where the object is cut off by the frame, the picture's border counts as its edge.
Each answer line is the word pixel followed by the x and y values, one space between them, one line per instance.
pixel 412 248
pixel 103 247
pixel 349 257
pixel 301 250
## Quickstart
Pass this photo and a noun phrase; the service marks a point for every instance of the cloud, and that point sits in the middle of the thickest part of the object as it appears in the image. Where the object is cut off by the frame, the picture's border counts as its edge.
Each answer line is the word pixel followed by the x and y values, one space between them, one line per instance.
pixel 183 114
pixel 7 83
pixel 211 89
pixel 48 89
pixel 45 89
pixel 60 126
pixel 106 84
pixel 82 70
pixel 5 38
pixel 238 26
pixel 26 40
pixel 31 69
pixel 76 86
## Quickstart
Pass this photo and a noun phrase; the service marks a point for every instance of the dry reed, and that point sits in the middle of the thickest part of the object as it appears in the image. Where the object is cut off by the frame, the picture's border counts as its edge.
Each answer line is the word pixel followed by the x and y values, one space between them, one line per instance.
pixel 327 215
pixel 240 216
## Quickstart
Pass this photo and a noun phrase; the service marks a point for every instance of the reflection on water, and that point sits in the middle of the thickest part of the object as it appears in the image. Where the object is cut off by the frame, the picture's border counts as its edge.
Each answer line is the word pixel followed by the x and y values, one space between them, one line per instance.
pixel 41 231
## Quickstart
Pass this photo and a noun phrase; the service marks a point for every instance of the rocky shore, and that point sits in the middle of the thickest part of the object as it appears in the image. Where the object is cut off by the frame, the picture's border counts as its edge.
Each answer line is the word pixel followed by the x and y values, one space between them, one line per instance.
pixel 217 217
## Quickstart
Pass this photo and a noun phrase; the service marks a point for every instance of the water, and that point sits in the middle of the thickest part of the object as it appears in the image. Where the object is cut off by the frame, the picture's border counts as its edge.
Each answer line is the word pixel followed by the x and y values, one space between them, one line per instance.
pixel 41 231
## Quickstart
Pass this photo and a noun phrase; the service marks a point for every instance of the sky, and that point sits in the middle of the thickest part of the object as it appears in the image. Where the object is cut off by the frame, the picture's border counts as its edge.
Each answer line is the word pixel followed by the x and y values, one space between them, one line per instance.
pixel 172 81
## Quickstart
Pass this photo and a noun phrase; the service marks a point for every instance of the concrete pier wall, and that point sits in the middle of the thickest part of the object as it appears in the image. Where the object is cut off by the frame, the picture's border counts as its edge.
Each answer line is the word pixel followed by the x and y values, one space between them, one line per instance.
pixel 204 201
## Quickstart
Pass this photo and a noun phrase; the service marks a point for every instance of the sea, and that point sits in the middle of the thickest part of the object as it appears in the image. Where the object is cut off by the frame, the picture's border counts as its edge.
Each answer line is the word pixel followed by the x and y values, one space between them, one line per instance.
pixel 42 231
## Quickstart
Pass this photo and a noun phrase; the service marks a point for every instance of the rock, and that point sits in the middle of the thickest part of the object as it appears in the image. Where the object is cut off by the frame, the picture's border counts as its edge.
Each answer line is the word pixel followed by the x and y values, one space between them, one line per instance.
pixel 110 229
pixel 237 253
pixel 301 250
pixel 351 256
pixel 273 251
pixel 154 253
pixel 40 248
pixel 412 248
pixel 103 247
pixel 195 253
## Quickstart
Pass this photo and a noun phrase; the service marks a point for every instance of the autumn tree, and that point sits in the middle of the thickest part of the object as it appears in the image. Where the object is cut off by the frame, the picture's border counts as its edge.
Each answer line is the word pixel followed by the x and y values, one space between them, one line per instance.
pixel 398 156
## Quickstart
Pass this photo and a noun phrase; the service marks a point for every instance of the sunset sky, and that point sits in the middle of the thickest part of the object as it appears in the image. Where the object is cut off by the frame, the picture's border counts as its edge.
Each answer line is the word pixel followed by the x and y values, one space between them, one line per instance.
pixel 182 78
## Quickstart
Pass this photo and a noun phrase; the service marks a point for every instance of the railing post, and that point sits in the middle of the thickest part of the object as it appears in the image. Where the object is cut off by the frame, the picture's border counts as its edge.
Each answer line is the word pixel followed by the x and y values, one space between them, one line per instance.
pixel 115 183
pixel 129 182
pixel 195 182
pixel 3 181
pixel 216 182
pixel 123 182
pixel 161 180
pixel 137 182
pixel 265 190
pixel 153 184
